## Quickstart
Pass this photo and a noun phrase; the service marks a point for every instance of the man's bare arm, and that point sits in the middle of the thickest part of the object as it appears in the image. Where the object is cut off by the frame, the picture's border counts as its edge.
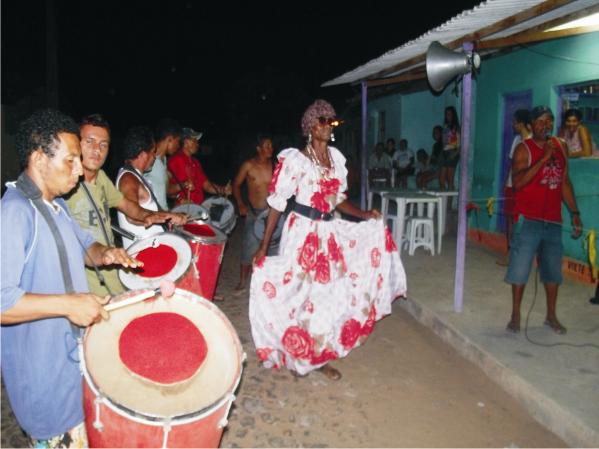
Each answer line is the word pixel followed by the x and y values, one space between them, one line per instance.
pixel 237 182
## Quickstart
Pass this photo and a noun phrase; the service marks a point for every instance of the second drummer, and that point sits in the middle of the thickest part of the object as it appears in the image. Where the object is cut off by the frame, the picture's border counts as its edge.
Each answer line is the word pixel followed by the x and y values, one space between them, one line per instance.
pixel 257 172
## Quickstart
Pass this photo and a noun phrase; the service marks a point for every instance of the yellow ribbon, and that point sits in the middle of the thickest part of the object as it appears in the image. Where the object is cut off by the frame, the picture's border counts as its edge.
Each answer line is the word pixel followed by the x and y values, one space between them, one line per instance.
pixel 592 253
pixel 490 205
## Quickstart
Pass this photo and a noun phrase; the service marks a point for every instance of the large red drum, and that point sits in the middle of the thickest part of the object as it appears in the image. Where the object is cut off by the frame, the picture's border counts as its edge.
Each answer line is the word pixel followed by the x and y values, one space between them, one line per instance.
pixel 146 385
pixel 207 246
pixel 165 256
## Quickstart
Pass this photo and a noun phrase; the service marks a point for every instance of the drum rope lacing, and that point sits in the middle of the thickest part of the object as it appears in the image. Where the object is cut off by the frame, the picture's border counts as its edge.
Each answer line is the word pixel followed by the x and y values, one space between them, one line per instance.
pixel 97 423
pixel 166 426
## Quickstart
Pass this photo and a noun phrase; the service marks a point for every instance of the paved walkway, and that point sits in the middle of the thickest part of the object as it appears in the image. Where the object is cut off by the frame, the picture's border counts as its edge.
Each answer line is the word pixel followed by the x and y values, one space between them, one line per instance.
pixel 406 387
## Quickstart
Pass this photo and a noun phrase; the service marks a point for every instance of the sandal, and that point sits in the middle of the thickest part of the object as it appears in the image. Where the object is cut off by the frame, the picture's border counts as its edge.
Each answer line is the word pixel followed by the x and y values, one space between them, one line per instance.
pixel 330 372
pixel 556 327
pixel 513 327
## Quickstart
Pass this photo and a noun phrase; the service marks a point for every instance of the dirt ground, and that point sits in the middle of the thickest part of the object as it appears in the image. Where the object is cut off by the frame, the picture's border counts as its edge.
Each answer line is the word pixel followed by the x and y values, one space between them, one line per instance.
pixel 403 388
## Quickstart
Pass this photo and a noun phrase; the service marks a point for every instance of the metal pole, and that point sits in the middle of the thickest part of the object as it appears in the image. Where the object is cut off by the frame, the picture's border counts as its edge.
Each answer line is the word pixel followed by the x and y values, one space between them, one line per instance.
pixel 364 149
pixel 458 297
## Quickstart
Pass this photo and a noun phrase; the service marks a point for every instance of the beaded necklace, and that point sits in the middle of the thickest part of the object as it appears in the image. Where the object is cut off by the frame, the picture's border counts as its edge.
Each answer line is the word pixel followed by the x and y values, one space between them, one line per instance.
pixel 323 171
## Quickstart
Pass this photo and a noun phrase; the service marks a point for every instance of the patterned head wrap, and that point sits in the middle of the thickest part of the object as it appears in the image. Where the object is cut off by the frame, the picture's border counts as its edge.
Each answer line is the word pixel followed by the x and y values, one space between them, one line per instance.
pixel 319 108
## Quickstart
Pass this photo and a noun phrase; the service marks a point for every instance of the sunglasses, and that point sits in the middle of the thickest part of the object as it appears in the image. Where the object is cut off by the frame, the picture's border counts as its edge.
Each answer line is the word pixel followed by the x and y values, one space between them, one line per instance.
pixel 331 121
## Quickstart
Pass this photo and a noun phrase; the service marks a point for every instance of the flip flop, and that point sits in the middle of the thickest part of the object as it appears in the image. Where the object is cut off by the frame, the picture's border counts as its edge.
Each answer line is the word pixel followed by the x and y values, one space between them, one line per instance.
pixel 330 372
pixel 556 327
pixel 512 327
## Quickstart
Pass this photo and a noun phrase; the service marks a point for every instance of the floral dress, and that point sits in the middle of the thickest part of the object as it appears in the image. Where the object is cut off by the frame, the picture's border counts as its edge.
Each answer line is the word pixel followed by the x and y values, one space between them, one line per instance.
pixel 320 297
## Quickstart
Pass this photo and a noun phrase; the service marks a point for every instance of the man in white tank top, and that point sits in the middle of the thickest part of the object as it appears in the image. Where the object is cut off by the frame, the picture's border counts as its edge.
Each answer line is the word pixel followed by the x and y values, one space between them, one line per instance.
pixel 140 153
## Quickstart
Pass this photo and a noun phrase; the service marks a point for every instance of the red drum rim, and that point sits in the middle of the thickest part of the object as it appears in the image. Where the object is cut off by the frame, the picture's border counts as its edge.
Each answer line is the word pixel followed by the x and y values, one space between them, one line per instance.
pixel 156 419
pixel 219 236
pixel 134 281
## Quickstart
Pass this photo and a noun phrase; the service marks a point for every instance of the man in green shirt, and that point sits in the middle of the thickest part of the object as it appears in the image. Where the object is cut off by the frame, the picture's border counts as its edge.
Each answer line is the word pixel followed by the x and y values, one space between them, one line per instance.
pixel 95 143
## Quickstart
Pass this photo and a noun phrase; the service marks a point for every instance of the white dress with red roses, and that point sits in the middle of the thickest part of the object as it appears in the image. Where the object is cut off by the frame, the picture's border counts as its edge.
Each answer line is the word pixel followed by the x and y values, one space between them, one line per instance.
pixel 320 297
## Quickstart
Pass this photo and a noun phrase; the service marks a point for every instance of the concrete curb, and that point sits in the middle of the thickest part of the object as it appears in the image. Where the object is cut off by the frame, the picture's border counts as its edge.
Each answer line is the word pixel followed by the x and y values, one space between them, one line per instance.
pixel 543 409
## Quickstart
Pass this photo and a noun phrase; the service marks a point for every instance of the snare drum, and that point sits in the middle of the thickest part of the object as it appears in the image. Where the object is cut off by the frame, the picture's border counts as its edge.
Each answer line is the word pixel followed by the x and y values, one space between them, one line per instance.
pixel 139 390
pixel 194 211
pixel 207 246
pixel 165 256
pixel 221 212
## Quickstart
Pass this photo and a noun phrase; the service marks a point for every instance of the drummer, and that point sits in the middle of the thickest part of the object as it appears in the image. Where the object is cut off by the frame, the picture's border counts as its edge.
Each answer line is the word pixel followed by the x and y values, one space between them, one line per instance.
pixel 140 152
pixel 43 297
pixel 257 173
pixel 91 200
pixel 188 180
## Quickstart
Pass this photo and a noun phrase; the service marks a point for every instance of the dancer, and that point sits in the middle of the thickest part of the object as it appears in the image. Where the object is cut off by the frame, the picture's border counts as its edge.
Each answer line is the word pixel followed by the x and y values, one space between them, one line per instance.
pixel 320 297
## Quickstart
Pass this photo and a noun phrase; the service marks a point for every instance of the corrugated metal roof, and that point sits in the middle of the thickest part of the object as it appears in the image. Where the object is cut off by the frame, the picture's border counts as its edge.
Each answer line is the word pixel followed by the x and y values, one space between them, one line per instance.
pixel 466 23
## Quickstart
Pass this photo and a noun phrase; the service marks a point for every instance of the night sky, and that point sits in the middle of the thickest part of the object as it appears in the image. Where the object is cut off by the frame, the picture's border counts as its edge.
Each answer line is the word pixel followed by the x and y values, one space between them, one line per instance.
pixel 230 71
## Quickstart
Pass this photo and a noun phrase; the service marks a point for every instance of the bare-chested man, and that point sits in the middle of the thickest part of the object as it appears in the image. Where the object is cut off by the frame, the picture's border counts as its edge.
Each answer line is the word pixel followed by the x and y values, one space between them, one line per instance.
pixel 257 171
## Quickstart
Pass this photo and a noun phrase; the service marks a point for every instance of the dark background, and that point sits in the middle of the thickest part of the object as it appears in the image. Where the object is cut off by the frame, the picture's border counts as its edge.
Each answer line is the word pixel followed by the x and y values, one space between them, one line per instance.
pixel 231 71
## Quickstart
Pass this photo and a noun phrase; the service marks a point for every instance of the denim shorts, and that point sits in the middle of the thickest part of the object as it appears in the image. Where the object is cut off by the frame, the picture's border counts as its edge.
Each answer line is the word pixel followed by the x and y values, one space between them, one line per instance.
pixel 540 238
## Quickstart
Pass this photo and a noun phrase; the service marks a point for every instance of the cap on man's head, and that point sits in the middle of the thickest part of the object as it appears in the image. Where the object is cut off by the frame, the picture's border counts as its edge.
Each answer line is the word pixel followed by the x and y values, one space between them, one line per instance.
pixel 188 133
pixel 538 111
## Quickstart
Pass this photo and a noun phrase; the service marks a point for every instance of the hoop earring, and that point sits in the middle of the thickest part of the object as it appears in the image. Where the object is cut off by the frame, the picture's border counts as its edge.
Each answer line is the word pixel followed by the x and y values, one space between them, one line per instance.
pixel 309 138
pixel 332 137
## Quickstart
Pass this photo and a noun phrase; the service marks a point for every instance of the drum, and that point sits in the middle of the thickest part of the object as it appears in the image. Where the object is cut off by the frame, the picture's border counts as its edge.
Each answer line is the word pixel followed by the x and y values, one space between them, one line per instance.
pixel 139 389
pixel 260 227
pixel 221 212
pixel 165 256
pixel 195 211
pixel 207 246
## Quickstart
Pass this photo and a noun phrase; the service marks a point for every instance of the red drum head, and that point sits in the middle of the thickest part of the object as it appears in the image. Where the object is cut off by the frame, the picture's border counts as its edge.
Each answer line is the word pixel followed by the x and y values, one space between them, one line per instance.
pixel 165 256
pixel 201 231
pixel 143 386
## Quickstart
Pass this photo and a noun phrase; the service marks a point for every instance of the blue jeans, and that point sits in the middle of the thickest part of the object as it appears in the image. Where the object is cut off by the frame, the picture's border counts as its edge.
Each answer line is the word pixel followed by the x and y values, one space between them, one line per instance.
pixel 530 238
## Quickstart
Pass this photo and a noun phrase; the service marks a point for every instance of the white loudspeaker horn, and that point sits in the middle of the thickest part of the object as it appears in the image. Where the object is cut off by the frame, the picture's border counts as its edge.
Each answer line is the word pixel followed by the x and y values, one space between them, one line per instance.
pixel 443 64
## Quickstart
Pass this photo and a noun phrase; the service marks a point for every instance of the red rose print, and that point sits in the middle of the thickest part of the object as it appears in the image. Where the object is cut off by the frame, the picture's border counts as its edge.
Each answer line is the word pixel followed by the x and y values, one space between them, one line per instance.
pixel 334 251
pixel 323 272
pixel 287 277
pixel 369 324
pixel 389 242
pixel 319 201
pixel 350 333
pixel 298 343
pixel 307 255
pixel 352 244
pixel 308 306
pixel 330 187
pixel 325 356
pixel 375 257
pixel 291 221
pixel 275 176
pixel 269 289
pixel 263 353
pixel 353 276
pixel 379 281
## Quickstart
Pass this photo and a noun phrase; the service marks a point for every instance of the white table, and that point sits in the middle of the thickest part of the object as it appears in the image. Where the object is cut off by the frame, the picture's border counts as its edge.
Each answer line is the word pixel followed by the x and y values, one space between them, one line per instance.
pixel 443 194
pixel 405 197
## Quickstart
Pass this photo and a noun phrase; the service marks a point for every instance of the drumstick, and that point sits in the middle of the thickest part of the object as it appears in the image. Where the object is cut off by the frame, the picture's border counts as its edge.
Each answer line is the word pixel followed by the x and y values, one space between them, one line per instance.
pixel 167 289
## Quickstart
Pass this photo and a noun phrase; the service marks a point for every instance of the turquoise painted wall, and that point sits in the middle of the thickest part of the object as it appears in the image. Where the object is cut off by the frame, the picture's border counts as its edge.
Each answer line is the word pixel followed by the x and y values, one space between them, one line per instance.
pixel 541 67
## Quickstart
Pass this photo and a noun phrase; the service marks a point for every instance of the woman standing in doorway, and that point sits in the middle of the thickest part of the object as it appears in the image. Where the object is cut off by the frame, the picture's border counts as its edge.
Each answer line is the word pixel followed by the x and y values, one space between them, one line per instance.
pixel 451 148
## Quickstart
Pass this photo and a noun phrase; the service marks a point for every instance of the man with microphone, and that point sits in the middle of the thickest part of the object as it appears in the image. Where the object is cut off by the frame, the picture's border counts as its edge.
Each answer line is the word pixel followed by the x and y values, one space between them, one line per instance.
pixel 541 182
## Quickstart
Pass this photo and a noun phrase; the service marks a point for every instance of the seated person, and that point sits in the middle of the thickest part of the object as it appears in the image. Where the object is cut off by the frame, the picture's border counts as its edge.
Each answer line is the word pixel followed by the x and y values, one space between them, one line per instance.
pixel 425 170
pixel 379 165
pixel 403 160
pixel 187 174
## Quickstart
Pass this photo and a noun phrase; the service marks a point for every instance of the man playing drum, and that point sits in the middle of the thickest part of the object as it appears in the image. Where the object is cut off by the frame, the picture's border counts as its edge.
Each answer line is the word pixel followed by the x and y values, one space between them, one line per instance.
pixel 257 173
pixel 140 153
pixel 188 177
pixel 44 295
pixel 92 198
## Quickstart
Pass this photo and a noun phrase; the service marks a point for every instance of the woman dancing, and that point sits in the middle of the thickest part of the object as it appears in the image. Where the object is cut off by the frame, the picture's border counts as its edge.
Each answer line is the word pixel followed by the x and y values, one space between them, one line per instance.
pixel 333 279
